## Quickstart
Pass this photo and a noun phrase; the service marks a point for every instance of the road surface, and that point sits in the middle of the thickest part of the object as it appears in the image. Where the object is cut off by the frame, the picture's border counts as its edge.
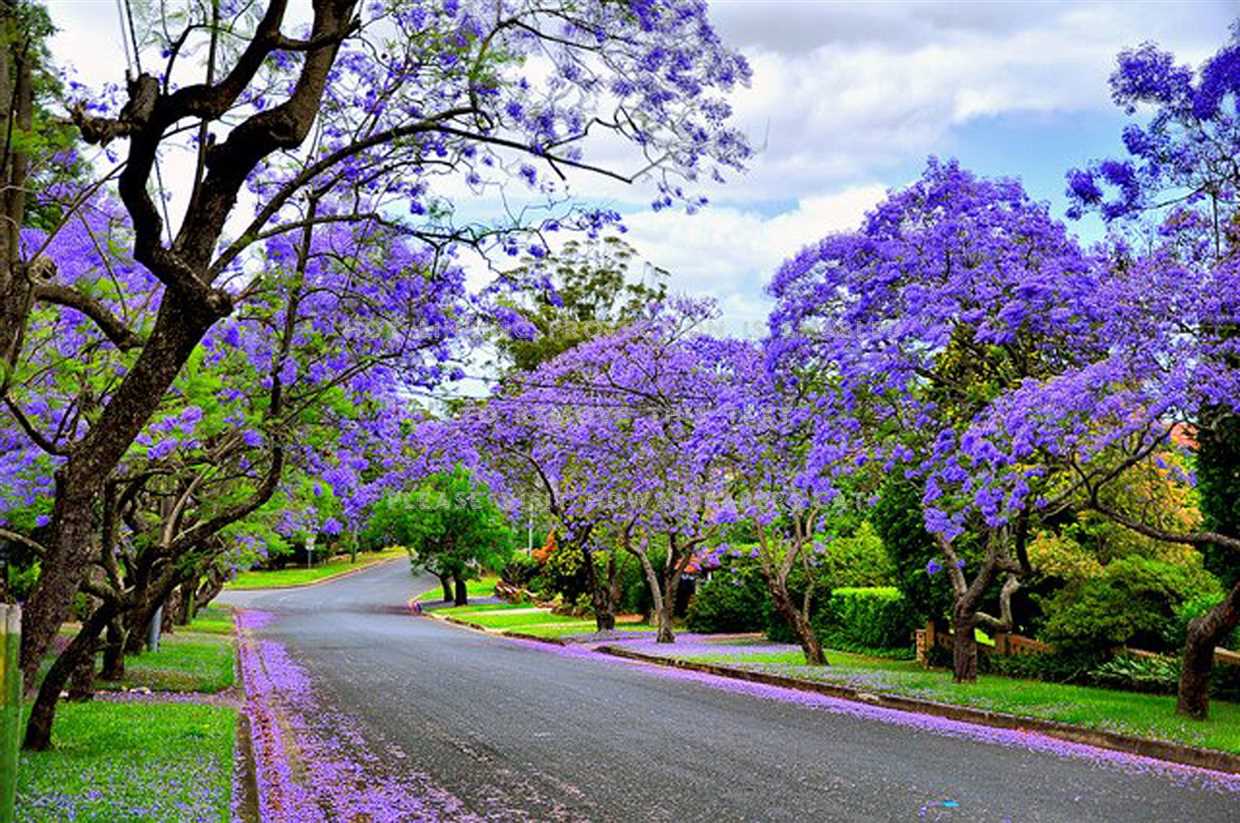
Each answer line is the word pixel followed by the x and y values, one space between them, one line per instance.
pixel 512 730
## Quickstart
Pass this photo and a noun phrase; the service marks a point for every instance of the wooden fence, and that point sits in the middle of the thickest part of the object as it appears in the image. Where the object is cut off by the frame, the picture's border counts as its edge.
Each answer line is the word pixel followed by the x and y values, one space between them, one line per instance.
pixel 1010 644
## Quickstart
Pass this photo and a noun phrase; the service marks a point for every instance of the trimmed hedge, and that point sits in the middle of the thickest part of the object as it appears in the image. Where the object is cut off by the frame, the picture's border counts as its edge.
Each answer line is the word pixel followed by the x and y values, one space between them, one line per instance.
pixel 874 620
pixel 872 617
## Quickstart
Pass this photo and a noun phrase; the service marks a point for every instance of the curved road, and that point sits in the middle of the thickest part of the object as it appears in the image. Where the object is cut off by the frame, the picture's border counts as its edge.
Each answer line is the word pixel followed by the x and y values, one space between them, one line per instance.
pixel 516 730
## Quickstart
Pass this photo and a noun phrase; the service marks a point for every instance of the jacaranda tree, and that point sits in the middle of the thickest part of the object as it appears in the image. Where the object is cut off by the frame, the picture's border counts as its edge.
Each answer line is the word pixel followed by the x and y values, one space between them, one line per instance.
pixel 1180 178
pixel 955 289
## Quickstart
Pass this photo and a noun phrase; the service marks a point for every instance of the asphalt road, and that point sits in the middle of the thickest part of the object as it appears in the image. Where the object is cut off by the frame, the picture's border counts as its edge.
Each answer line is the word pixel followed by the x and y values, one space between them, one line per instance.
pixel 520 731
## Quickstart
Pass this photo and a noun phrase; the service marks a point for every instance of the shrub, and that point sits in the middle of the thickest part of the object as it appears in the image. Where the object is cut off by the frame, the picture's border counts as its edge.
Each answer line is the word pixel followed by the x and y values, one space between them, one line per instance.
pixel 866 618
pixel 1159 675
pixel 1131 602
pixel 1052 667
pixel 735 599
pixel 897 520
pixel 859 560
pixel 520 571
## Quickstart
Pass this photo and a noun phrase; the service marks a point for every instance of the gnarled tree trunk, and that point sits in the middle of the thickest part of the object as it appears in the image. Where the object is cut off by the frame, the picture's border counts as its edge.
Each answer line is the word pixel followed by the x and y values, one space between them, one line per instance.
pixel 1204 634
pixel 462 591
pixel 43 712
pixel 113 667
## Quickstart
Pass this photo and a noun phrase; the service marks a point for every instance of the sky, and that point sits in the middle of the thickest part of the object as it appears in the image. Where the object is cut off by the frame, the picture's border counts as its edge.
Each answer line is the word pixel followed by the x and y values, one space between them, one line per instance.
pixel 847 101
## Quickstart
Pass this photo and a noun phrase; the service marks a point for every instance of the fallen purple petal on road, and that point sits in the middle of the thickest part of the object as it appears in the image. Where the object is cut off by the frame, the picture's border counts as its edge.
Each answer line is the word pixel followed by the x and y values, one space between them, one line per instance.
pixel 314 765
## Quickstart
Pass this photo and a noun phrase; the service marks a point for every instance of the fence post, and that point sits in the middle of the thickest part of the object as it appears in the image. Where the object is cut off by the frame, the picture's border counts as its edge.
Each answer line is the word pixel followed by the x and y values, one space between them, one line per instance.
pixel 11 714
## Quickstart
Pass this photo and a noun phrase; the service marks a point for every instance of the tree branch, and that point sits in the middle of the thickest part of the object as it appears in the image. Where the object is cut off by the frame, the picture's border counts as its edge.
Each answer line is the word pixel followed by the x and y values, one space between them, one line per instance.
pixel 116 331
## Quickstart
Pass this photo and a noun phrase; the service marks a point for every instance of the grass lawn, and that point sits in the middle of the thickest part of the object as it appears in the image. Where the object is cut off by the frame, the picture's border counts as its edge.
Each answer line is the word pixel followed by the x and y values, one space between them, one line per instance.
pixel 1145 715
pixel 532 620
pixel 213 620
pixel 198 658
pixel 185 662
pixel 131 761
pixel 300 575
pixel 483 587
pixel 147 760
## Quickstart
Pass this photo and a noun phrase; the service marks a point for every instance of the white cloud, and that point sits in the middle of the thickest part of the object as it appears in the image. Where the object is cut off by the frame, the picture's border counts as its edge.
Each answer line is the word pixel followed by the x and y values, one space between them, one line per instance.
pixel 730 253
pixel 849 107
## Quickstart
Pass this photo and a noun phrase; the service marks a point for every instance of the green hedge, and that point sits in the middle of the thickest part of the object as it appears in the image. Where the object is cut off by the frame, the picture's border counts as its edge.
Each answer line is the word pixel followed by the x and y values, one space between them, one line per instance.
pixel 874 617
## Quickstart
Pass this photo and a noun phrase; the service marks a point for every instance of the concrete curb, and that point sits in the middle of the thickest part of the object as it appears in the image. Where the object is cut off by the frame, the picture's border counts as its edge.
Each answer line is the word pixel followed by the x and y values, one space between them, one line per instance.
pixel 244 806
pixel 329 579
pixel 1146 747
pixel 245 783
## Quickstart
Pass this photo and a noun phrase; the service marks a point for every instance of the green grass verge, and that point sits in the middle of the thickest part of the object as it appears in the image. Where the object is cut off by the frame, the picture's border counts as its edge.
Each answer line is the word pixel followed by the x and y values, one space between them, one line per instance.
pixel 531 620
pixel 300 576
pixel 213 620
pixel 133 762
pixel 483 587
pixel 185 662
pixel 1132 713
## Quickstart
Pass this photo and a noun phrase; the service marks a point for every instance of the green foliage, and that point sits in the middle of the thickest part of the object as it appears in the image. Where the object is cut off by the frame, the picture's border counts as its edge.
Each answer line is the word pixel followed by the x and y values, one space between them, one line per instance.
pixel 1158 675
pixel 1058 667
pixel 870 618
pixel 735 599
pixel 859 560
pixel 1130 603
pixel 1218 485
pixel 897 519
pixel 450 525
pixel 597 294
pixel 520 570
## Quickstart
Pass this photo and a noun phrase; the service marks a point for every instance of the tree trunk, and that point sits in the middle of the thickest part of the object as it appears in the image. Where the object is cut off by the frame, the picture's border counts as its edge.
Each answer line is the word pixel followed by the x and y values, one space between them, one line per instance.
pixel 660 611
pixel 1204 634
pixel 446 582
pixel 79 482
pixel 82 678
pixel 172 607
pixel 964 643
pixel 43 712
pixel 605 619
pixel 462 591
pixel 114 652
pixel 667 612
pixel 185 603
pixel 135 630
pixel 798 622
pixel 600 594
pixel 209 589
